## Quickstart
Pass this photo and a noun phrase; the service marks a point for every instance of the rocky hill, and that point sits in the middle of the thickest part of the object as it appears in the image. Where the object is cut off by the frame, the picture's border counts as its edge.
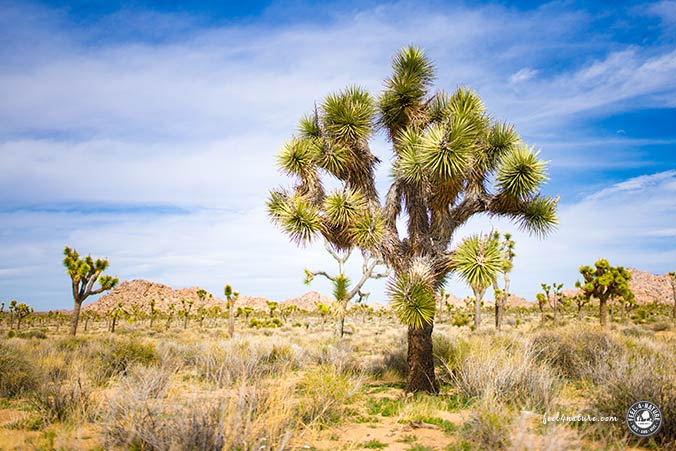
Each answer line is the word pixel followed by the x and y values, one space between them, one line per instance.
pixel 308 301
pixel 140 293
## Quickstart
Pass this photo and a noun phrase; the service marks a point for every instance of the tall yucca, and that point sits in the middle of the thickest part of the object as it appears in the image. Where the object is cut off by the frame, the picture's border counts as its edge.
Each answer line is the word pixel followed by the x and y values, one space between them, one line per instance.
pixel 450 161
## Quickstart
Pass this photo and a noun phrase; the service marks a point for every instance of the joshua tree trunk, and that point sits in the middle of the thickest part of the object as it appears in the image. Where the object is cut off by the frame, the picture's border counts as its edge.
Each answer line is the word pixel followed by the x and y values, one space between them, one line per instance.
pixel 421 360
pixel 75 318
pixel 86 324
pixel 231 319
pixel 478 295
pixel 112 325
pixel 603 312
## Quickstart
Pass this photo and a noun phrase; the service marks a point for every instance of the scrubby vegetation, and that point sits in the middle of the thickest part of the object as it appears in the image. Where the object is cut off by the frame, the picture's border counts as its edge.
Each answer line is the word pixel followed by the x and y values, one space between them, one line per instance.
pixel 199 388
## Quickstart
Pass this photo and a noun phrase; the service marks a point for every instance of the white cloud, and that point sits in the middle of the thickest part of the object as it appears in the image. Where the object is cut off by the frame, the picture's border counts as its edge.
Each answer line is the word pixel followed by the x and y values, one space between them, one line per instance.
pixel 522 75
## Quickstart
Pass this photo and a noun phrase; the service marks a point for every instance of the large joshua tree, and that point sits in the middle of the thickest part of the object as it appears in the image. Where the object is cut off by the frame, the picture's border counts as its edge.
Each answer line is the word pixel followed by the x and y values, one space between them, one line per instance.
pixel 84 274
pixel 451 161
pixel 605 283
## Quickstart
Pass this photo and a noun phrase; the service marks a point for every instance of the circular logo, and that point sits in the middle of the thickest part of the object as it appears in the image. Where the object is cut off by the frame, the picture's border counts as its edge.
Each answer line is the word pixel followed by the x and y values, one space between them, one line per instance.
pixel 644 418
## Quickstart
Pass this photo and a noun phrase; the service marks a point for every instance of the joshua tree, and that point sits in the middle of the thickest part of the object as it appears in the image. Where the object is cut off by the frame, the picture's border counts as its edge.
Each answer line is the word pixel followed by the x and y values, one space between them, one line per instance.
pixel 553 297
pixel 12 312
pixel 580 301
pixel 451 162
pixel 605 283
pixel 22 311
pixel 323 310
pixel 171 309
pixel 2 311
pixel 115 313
pixel 443 300
pixel 478 260
pixel 502 294
pixel 342 291
pixel 231 298
pixel 153 312
pixel 542 303
pixel 84 273
pixel 186 307
pixel 672 278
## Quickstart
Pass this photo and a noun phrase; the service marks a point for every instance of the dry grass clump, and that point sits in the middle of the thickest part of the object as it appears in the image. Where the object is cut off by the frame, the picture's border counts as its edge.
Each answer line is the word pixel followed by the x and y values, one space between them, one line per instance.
pixel 224 363
pixel 324 391
pixel 490 424
pixel 577 352
pixel 644 373
pixel 507 368
pixel 18 372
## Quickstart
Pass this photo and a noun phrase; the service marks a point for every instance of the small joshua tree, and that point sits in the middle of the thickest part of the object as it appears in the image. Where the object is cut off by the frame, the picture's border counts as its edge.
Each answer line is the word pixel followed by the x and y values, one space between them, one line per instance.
pixel 478 260
pixel 553 298
pixel 153 312
pixel 22 311
pixel 84 274
pixel 186 307
pixel 342 291
pixel 542 303
pixel 580 301
pixel 115 313
pixel 231 297
pixel 502 294
pixel 323 310
pixel 605 283
pixel 12 312
pixel 171 309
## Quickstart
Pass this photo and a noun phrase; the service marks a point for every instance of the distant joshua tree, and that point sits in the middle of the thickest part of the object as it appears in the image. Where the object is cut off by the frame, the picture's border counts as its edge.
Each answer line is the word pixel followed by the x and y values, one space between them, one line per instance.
pixel 478 260
pixel 342 291
pixel 451 161
pixel 231 297
pixel 22 311
pixel 605 283
pixel 502 294
pixel 84 274
pixel 553 297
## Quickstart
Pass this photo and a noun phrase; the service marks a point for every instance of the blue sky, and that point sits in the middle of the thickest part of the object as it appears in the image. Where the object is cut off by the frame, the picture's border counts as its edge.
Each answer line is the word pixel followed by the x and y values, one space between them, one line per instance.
pixel 146 132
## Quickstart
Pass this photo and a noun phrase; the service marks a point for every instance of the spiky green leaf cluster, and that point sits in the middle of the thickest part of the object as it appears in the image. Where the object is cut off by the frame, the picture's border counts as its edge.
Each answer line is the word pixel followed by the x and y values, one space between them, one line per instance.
pixel 521 172
pixel 341 284
pixel 367 230
pixel 343 207
pixel 298 156
pixel 412 299
pixel 539 216
pixel 349 115
pixel 478 260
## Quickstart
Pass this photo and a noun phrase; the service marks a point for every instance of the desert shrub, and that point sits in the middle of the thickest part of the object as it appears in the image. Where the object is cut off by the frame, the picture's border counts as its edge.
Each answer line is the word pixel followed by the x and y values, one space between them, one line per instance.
pixel 251 417
pixel 336 354
pixel 460 319
pixel 19 375
pixel 117 355
pixel 60 399
pixel 509 370
pixel 577 353
pixel 38 334
pixel 646 372
pixel 490 424
pixel 324 393
pixel 227 362
pixel 636 331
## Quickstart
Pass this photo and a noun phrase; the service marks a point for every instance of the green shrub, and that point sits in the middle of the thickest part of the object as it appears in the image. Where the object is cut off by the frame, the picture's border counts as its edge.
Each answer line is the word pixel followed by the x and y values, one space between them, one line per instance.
pixel 18 374
pixel 118 355
pixel 324 392
pixel 39 334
